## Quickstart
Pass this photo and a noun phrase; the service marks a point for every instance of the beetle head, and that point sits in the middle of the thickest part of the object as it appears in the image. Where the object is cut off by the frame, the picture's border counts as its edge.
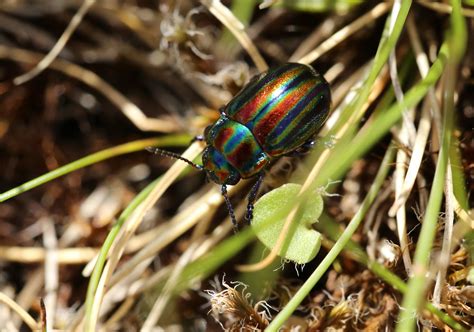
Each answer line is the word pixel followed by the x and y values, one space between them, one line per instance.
pixel 217 168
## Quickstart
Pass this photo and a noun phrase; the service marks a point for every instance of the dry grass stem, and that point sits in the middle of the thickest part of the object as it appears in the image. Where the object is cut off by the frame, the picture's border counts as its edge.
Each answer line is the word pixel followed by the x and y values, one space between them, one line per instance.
pixel 169 67
pixel 170 231
pixel 217 235
pixel 130 226
pixel 136 283
pixel 51 272
pixel 29 255
pixel 348 87
pixel 58 47
pixel 25 316
pixel 445 8
pixel 372 221
pixel 345 32
pixel 323 31
pixel 34 286
pixel 159 305
pixel 463 225
pixel 424 125
pixel 334 72
pixel 30 293
pixel 443 262
pixel 406 135
pixel 119 314
pixel 129 109
pixel 228 19
pixel 378 88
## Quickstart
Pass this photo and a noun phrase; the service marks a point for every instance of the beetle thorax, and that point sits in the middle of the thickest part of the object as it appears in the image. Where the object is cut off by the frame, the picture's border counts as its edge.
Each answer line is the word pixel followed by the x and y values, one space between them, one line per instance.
pixel 232 150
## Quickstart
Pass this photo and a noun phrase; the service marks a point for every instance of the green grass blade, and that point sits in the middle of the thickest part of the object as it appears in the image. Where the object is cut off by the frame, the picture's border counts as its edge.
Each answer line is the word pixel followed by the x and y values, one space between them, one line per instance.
pixel 367 137
pixel 356 252
pixel 300 295
pixel 315 6
pixel 386 45
pixel 206 265
pixel 172 140
pixel 104 251
pixel 243 10
pixel 417 283
pixel 378 127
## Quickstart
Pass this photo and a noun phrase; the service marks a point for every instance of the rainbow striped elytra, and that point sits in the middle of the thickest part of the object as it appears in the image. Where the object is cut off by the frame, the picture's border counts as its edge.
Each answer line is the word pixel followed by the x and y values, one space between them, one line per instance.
pixel 276 113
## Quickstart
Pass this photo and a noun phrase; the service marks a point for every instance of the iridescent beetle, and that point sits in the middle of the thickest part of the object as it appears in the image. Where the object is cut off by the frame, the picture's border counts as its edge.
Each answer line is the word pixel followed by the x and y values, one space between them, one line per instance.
pixel 276 114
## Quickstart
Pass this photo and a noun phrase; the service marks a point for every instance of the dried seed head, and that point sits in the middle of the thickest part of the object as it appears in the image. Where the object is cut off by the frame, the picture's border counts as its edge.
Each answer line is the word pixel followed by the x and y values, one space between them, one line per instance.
pixel 233 310
pixel 180 32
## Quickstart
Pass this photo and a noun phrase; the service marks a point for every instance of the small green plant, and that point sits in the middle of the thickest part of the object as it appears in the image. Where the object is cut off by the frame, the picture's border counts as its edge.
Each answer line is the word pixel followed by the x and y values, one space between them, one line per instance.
pixel 301 243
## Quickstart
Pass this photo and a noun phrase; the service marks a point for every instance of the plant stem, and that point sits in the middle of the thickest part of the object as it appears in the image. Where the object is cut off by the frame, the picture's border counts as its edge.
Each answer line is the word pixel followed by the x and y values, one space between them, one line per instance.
pixel 172 140
pixel 291 306
pixel 358 254
pixel 417 284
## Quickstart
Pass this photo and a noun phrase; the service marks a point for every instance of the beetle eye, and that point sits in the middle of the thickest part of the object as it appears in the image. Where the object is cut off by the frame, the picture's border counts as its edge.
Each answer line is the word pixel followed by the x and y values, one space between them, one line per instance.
pixel 217 167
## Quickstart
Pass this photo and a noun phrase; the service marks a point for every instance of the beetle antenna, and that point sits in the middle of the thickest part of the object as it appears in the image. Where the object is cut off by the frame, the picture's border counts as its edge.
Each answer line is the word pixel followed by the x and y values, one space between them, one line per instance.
pixel 252 196
pixel 229 207
pixel 174 156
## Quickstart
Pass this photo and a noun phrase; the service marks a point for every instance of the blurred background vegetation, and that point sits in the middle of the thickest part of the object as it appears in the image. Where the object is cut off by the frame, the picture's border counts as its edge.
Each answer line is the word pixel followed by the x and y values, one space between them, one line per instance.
pixel 91 84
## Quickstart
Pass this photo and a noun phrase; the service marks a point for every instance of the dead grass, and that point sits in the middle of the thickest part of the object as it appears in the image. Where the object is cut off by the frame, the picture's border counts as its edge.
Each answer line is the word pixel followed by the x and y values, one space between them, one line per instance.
pixel 79 77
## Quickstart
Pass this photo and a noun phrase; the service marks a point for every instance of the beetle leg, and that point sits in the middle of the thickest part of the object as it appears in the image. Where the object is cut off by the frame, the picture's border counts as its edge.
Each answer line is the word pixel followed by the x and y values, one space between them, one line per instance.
pixel 307 146
pixel 229 207
pixel 198 138
pixel 252 196
pixel 302 150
